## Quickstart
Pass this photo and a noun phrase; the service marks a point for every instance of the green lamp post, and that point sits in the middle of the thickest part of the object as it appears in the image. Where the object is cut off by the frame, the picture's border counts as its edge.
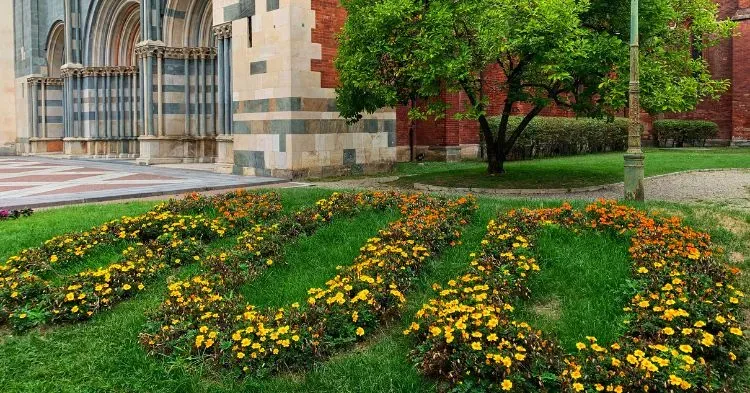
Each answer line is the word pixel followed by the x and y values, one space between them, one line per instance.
pixel 634 157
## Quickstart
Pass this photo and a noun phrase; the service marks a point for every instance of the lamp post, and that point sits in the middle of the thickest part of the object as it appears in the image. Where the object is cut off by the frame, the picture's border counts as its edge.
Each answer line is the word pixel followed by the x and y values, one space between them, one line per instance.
pixel 634 157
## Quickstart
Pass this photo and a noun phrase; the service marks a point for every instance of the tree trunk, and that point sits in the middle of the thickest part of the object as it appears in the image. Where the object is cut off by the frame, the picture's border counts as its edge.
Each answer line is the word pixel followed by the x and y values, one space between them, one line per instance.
pixel 495 156
pixel 496 163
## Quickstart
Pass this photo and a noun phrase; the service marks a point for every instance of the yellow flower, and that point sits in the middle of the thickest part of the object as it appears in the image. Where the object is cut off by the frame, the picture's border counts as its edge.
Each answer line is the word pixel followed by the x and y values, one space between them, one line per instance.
pixel 126 287
pixel 668 331
pixel 240 355
pixel 736 331
pixel 581 346
pixel 53 258
pixel 686 348
pixel 476 346
pixel 578 387
pixel 74 309
pixel 22 316
pixel 360 332
pixel 575 374
pixel 507 385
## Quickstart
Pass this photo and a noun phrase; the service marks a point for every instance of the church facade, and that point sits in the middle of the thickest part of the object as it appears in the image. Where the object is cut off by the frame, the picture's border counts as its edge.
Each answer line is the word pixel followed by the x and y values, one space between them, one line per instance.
pixel 247 84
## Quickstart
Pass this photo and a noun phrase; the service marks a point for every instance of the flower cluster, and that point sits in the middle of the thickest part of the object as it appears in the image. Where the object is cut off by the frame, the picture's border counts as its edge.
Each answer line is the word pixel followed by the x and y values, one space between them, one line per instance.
pixel 683 331
pixel 14 214
pixel 195 303
pixel 160 239
pixel 198 319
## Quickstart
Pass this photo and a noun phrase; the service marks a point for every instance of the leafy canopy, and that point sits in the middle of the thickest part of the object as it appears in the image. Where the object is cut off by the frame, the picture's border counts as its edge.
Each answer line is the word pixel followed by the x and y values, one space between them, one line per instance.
pixel 573 53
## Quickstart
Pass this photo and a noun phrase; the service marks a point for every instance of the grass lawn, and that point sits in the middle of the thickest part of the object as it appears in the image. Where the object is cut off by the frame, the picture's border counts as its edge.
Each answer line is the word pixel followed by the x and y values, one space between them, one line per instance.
pixel 567 172
pixel 571 299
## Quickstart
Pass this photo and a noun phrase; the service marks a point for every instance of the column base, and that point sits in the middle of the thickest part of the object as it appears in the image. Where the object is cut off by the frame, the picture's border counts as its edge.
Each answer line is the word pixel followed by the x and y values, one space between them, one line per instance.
pixel 45 145
pixel 155 150
pixel 224 154
pixel 438 153
pixel 634 176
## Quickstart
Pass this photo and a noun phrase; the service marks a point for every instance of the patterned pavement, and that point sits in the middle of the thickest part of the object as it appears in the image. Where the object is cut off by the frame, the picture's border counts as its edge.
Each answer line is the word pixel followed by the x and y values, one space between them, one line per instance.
pixel 41 181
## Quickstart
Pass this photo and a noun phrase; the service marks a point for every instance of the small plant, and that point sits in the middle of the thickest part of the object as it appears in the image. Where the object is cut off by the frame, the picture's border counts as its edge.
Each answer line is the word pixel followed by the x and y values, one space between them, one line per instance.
pixel 14 214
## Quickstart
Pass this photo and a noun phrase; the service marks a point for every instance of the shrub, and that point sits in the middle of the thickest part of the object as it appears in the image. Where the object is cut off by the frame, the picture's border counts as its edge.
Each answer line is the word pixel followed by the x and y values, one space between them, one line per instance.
pixel 676 133
pixel 14 214
pixel 555 136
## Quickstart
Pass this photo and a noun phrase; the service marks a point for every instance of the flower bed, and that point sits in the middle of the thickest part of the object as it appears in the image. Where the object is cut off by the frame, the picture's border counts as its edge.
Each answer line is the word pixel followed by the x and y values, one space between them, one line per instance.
pixel 683 333
pixel 162 238
pixel 200 319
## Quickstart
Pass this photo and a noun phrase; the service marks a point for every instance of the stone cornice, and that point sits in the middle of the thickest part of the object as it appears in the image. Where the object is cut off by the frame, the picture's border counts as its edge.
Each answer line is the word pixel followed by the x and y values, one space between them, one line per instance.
pixel 741 15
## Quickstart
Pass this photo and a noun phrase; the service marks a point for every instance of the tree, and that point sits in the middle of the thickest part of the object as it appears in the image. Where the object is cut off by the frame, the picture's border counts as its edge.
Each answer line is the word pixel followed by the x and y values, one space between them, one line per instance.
pixel 569 53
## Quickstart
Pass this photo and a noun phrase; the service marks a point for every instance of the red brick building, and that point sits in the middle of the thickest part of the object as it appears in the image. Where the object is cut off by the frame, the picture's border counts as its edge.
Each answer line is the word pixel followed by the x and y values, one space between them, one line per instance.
pixel 729 60
pixel 451 139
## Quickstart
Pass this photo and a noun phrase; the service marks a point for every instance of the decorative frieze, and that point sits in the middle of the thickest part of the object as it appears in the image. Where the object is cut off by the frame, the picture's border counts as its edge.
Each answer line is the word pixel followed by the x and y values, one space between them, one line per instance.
pixel 223 31
pixel 164 52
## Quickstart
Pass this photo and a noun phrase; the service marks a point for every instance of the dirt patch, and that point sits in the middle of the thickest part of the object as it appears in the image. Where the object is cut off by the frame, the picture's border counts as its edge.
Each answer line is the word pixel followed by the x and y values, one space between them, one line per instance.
pixel 736 226
pixel 736 257
pixel 551 309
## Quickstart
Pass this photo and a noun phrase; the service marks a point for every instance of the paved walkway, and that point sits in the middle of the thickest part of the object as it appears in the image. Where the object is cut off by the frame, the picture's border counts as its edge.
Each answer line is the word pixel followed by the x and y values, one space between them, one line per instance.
pixel 42 181
pixel 730 188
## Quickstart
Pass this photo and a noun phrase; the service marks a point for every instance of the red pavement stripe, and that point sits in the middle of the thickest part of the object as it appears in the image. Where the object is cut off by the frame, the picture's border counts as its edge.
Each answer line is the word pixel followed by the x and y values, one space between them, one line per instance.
pixel 143 176
pixel 91 188
pixel 50 178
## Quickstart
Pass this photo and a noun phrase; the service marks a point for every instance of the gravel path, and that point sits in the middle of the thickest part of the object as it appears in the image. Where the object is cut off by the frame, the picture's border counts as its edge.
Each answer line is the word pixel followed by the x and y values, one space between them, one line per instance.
pixel 726 187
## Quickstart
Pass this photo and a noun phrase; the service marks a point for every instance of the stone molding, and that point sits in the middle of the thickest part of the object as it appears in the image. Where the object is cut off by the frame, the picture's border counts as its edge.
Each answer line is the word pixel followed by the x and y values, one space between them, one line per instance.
pixel 223 31
pixel 152 49
pixel 45 81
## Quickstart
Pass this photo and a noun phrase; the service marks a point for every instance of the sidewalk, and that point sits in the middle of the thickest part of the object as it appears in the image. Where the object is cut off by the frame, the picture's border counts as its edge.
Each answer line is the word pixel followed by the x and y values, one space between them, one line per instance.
pixel 35 182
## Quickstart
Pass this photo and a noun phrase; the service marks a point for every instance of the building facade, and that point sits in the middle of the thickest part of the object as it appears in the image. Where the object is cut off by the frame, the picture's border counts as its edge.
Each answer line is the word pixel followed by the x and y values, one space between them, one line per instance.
pixel 247 84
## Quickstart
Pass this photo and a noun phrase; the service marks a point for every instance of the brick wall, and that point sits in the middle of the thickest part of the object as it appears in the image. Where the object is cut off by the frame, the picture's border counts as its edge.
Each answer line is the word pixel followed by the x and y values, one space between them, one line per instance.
pixel 329 19
pixel 727 61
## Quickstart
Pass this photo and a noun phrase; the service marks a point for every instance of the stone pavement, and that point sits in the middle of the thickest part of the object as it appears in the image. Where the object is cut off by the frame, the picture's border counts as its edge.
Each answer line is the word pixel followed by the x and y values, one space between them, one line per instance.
pixel 44 181
pixel 724 187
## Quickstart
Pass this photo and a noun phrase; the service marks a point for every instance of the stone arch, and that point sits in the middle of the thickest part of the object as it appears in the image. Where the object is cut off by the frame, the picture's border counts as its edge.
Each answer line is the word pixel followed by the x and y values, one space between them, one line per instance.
pixel 188 23
pixel 112 31
pixel 55 50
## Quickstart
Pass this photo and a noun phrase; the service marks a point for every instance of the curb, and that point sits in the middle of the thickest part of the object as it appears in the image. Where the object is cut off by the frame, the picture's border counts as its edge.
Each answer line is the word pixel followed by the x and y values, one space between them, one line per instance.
pixel 554 191
pixel 111 198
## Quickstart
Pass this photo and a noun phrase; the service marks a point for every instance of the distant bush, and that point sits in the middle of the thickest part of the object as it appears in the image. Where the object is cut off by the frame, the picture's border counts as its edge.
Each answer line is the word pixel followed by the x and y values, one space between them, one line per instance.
pixel 677 133
pixel 559 136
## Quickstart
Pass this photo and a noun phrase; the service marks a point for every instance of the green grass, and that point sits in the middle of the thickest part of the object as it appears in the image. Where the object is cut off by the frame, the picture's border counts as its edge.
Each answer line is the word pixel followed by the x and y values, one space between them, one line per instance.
pixel 580 290
pixel 567 172
pixel 32 231
pixel 311 261
pixel 103 355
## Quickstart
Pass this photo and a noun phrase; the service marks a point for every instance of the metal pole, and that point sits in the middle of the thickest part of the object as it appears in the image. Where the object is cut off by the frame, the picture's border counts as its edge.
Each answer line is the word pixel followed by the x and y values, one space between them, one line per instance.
pixel 634 157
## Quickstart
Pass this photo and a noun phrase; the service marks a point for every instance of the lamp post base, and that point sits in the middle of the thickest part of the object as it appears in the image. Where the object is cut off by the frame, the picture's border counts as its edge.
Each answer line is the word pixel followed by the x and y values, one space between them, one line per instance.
pixel 634 175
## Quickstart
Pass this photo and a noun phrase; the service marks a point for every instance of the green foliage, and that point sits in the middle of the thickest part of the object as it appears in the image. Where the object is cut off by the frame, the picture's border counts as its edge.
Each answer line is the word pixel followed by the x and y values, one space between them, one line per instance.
pixel 557 136
pixel 571 53
pixel 680 132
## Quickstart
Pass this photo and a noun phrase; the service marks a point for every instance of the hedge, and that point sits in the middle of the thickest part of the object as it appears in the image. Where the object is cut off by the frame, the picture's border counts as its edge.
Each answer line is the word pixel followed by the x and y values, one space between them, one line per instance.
pixel 677 133
pixel 555 136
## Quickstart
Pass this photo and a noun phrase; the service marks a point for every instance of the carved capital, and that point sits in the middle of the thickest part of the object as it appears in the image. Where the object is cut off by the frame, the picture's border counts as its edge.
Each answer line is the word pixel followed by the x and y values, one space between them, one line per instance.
pixel 223 31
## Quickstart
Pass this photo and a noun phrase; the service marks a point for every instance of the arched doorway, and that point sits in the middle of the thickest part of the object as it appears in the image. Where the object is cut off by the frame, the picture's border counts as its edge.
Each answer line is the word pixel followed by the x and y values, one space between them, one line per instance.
pixel 55 50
